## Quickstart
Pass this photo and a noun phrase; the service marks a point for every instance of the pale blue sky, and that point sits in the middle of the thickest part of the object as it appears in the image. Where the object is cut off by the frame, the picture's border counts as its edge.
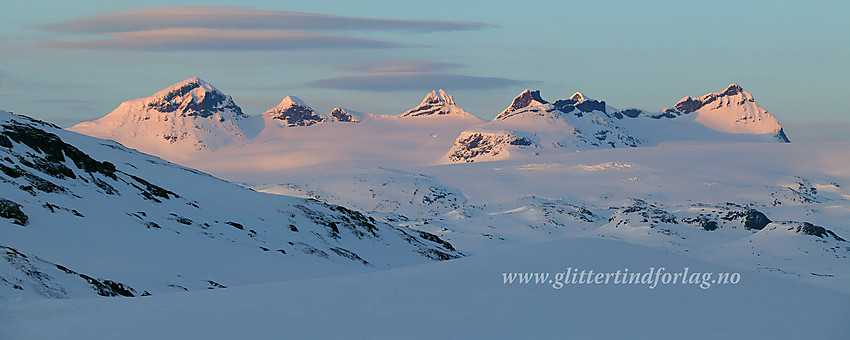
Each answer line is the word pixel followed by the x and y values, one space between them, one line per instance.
pixel 69 61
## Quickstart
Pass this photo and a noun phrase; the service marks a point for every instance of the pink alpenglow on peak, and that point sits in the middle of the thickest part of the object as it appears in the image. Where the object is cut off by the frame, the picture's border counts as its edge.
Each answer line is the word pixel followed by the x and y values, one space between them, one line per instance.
pixel 527 98
pixel 191 114
pixel 437 103
pixel 578 96
pixel 732 110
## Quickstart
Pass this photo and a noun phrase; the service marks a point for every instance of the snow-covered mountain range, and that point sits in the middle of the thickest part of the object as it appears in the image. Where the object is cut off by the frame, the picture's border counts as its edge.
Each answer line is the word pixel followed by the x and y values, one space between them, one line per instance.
pixel 531 125
pixel 360 208
pixel 194 113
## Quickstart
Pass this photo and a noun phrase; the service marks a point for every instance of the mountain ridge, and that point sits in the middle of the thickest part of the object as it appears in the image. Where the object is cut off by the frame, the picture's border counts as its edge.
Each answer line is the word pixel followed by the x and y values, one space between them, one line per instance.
pixel 193 112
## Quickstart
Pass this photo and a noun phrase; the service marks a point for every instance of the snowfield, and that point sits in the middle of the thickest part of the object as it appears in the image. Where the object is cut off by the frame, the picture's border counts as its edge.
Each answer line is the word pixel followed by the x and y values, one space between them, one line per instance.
pixel 463 298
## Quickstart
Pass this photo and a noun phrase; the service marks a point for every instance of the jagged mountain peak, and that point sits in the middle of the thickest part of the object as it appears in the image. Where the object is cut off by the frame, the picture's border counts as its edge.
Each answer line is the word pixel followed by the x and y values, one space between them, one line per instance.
pixel 290 101
pixel 732 90
pixel 526 98
pixel 578 96
pixel 436 103
pixel 185 86
pixel 690 104
pixel 732 110
pixel 191 112
pixel 438 96
pixel 339 114
pixel 292 111
pixel 193 97
pixel 583 103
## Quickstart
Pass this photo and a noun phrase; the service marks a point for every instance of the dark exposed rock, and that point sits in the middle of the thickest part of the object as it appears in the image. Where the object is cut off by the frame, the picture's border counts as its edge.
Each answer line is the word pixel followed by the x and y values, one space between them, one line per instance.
pixel 781 137
pixel 525 99
pixel 666 114
pixel 210 103
pixel 310 250
pixel 477 144
pixel 12 211
pixel 755 220
pixel 438 255
pixel 690 104
pixel 235 225
pixel 55 150
pixel 522 141
pixel 34 277
pixel 564 102
pixel 813 230
pixel 181 219
pixel 150 190
pixel 686 105
pixel 101 287
pixel 631 113
pixel 591 105
pixel 565 108
pixel 349 255
pixel 214 284
pixel 343 116
pixel 436 239
pixel 294 115
pixel 702 222
pixel 732 90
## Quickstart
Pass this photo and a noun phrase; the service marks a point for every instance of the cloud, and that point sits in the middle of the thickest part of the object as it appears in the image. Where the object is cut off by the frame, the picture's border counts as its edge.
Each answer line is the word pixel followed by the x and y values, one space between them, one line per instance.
pixel 413 81
pixel 399 66
pixel 206 39
pixel 65 101
pixel 229 18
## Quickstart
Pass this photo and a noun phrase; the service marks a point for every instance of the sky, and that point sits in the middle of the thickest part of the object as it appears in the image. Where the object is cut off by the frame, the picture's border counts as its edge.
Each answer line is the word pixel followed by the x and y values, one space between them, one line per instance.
pixel 67 62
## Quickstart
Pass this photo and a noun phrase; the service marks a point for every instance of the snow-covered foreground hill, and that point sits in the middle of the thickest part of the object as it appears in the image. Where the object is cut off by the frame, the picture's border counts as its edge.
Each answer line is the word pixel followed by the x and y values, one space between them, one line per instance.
pixel 465 299
pixel 82 217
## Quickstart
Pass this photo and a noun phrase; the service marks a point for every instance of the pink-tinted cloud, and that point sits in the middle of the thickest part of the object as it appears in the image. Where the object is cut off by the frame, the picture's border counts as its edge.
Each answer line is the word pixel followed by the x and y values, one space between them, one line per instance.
pixel 252 19
pixel 399 66
pixel 206 39
pixel 413 81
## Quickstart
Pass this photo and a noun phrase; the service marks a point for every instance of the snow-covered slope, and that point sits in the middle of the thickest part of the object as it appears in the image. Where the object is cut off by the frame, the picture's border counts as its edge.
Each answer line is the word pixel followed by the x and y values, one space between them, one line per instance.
pixel 719 202
pixel 81 216
pixel 467 299
pixel 437 103
pixel 188 116
pixel 291 111
pixel 731 114
pixel 733 110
